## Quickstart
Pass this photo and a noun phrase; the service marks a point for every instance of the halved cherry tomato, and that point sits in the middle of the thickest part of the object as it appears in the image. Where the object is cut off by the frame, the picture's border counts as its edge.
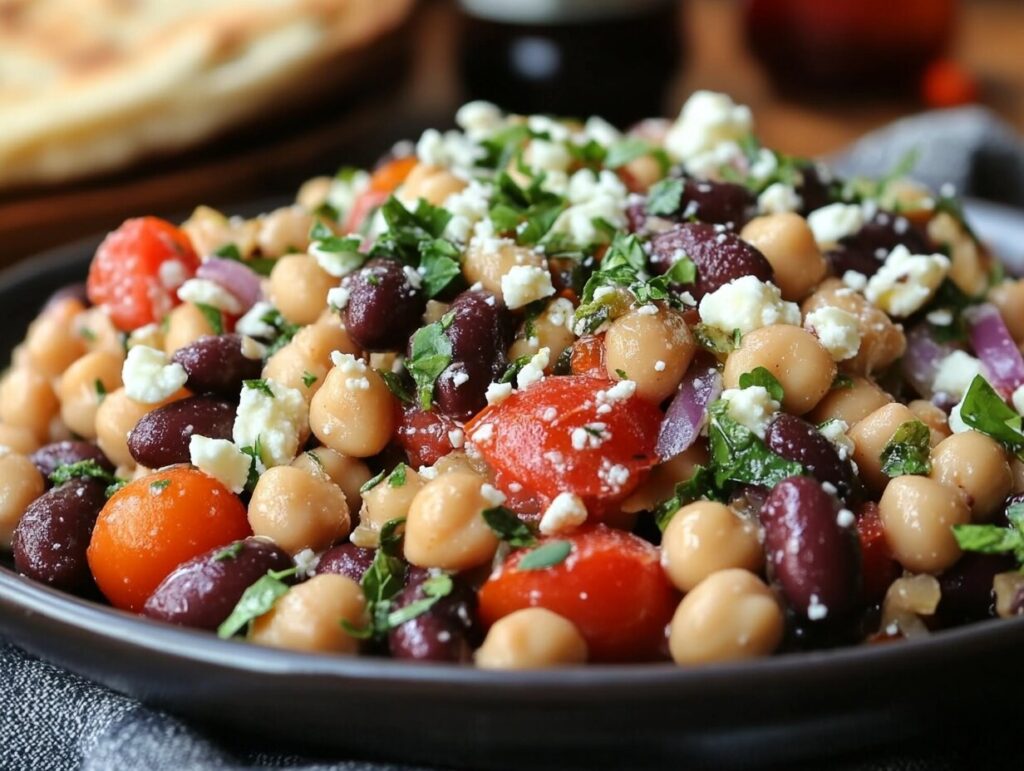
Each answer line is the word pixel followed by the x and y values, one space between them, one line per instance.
pixel 567 434
pixel 155 523
pixel 877 564
pixel 611 586
pixel 587 357
pixel 425 436
pixel 137 268
pixel 383 183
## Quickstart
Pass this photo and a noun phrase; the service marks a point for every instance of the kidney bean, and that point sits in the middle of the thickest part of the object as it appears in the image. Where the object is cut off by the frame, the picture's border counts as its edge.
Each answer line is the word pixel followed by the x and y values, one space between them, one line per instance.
pixel 967 587
pixel 48 457
pixel 797 440
pixel 814 189
pixel 346 559
pixel 480 333
pixel 384 306
pixel 51 539
pixel 424 435
pixel 215 365
pixel 814 558
pixel 203 591
pixel 76 291
pixel 720 255
pixel 447 631
pixel 162 436
pixel 866 250
pixel 720 203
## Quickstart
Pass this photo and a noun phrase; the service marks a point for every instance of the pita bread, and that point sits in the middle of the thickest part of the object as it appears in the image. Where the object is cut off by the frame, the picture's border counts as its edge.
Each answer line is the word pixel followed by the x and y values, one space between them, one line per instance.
pixel 90 85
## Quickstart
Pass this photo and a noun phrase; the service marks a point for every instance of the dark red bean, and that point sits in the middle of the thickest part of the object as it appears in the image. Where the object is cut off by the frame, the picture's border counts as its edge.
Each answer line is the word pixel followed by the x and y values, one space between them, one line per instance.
pixel 384 306
pixel 424 435
pixel 817 188
pixel 795 439
pixel 346 559
pixel 48 457
pixel 447 631
pixel 74 291
pixel 967 587
pixel 480 332
pixel 866 250
pixel 215 365
pixel 720 203
pixel 203 591
pixel 161 437
pixel 814 559
pixel 721 256
pixel 51 539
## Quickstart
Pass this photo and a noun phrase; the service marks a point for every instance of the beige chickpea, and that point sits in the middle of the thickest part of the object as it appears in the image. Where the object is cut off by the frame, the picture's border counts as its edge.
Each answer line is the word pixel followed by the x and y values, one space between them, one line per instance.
pixel 209 230
pixel 308 617
pixel 881 341
pixel 353 412
pixel 850 403
pixel 383 503
pixel 659 484
pixel 27 401
pixel 298 288
pixel 729 615
pixel 932 417
pixel 645 171
pixel 793 355
pixel 116 417
pixel 871 435
pixel 705 537
pixel 1008 297
pixel 97 331
pixel 52 342
pixel 17 439
pixel 654 350
pixel 185 325
pixel 347 473
pixel 552 329
pixel 433 183
pixel 83 386
pixel 977 465
pixel 308 354
pixel 20 484
pixel 434 311
pixel 445 528
pixel 787 242
pixel 298 510
pixel 532 638
pixel 283 231
pixel 459 460
pixel 917 516
pixel 968 263
pixel 487 266
pixel 313 193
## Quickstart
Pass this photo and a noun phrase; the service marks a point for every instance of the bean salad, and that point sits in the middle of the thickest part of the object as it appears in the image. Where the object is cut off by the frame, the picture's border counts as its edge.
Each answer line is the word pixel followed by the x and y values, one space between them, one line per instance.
pixel 536 392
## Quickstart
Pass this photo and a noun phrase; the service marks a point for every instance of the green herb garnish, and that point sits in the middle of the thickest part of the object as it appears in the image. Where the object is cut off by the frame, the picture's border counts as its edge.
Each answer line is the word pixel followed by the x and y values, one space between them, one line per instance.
pixel 545 556
pixel 213 317
pixel 431 354
pixel 760 376
pixel 258 599
pixel 908 451
pixel 508 527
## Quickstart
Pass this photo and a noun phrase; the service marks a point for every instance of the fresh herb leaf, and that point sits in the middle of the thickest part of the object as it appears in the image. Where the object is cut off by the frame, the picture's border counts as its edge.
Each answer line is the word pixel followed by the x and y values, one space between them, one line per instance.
pixel 621 373
pixel 992 539
pixel 81 469
pixel 397 477
pixel 701 484
pixel 396 384
pixel 258 599
pixel 259 385
pixel 228 251
pixel 308 378
pixel 159 485
pixel 439 264
pixel 502 147
pixel 739 455
pixel 513 369
pixel 683 271
pixel 760 376
pixel 229 552
pixel 372 482
pixel 315 460
pixel 664 197
pixel 431 353
pixel 256 453
pixel 435 588
pixel 508 527
pixel 112 488
pixel 908 451
pixel 284 330
pixel 984 410
pixel 382 580
pixel 213 317
pixel 408 229
pixel 545 556
pixel 101 390
pixel 87 334
pixel 528 213
pixel 625 150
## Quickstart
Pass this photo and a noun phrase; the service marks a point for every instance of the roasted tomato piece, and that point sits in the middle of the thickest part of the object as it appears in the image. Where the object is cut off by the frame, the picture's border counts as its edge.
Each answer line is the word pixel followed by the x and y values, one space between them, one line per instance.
pixel 425 436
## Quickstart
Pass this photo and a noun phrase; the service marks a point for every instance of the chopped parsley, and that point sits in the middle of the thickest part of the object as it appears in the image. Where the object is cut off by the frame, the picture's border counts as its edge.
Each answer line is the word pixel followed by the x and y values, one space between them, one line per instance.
pixel 101 390
pixel 159 485
pixel 259 265
pixel 665 197
pixel 308 378
pixel 984 410
pixel 439 265
pixel 397 385
pixel 82 469
pixel 739 455
pixel 508 527
pixel 408 229
pixel 343 249
pixel 434 588
pixel 257 600
pixel 382 581
pixel 284 330
pixel 546 555
pixel 992 539
pixel 514 368
pixel 397 477
pixel 527 213
pixel 431 353
pixel 908 451
pixel 630 148
pixel 841 381
pixel 259 385
pixel 700 485
pixel 372 482
pixel 760 376
pixel 213 317
pixel 230 552
pixel 714 340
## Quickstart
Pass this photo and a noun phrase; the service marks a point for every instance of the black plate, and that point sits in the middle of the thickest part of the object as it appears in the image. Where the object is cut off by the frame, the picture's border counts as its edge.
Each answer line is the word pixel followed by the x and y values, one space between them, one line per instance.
pixel 771 710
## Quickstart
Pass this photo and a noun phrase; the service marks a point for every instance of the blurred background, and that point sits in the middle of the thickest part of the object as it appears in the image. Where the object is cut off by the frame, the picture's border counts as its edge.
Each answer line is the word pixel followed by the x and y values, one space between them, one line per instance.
pixel 112 108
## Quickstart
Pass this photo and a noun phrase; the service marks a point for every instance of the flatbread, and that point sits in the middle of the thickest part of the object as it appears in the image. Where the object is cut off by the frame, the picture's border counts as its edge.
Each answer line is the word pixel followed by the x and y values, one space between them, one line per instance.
pixel 89 85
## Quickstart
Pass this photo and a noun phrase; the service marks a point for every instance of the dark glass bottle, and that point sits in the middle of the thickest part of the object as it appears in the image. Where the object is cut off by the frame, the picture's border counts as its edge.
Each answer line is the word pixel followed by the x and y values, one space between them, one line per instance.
pixel 612 58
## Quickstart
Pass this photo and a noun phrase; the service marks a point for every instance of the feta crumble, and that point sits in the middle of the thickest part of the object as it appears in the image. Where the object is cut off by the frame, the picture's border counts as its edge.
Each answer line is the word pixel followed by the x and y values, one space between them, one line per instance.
pixel 467 207
pixel 524 284
pixel 746 304
pixel 492 494
pixel 479 119
pixel 834 222
pixel 533 372
pixel 706 120
pixel 752 407
pixel 567 511
pixel 837 330
pixel 1018 399
pixel 593 196
pixel 906 281
pixel 778 198
pixel 252 324
pixel 338 297
pixel 221 460
pixel 275 422
pixel 815 610
pixel 498 392
pixel 954 374
pixel 202 291
pixel 835 431
pixel 337 263
pixel 149 376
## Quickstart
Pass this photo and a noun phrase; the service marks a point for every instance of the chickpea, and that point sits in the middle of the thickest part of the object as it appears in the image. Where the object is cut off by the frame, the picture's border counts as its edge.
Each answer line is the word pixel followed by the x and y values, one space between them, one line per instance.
pixel 801 364
pixel 27 401
pixel 663 478
pixel 116 417
pixel 487 266
pixel 298 288
pixel 1016 469
pixel 871 435
pixel 552 329
pixel 283 231
pixel 654 350
pixel 787 242
pixel 309 353
pixel 52 342
pixel 83 386
pixel 353 412
pixel 645 171
pixel 185 325
pixel 532 638
pixel 977 465
pixel 1008 297
pixel 459 460
pixel 852 403
pixel 729 615
pixel 881 341
pixel 382 503
pixel 20 484
pixel 17 439
pixel 444 528
pixel 347 473
pixel 705 537
pixel 433 183
pixel 434 311
pixel 313 193
pixel 932 417
pixel 298 510
pixel 968 264
pixel 917 515
pixel 98 331
pixel 208 230
pixel 308 617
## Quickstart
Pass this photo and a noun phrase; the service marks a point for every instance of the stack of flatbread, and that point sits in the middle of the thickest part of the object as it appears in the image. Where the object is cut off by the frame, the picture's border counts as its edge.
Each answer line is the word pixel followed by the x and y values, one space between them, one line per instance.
pixel 90 85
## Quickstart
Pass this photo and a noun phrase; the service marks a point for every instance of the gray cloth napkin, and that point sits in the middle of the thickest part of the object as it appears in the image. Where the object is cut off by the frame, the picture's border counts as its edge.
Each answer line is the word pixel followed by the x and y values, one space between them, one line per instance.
pixel 55 720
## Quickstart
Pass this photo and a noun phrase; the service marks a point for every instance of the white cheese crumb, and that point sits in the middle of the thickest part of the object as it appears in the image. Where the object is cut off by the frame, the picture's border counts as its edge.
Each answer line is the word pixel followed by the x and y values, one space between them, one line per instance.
pixel 845 518
pixel 483 434
pixel 941 317
pixel 340 262
pixel 251 323
pixel 906 281
pixel 956 423
pixel 348 363
pixel 149 376
pixel 253 349
pixel 835 431
pixel 659 366
pixel 591 436
pixel 498 392
pixel 593 196
pixel 492 494
pixel 202 291
pixel 706 120
pixel 834 222
pixel 836 329
pixel 622 390
pixel 338 297
pixel 567 511
pixel 854 280
pixel 468 207
pixel 1018 399
pixel 549 414
pixel 524 284
pixel 451 150
pixel 460 377
pixel 306 562
pixel 954 374
pixel 778 198
pixel 276 422
pixel 746 304
pixel 172 274
pixel 149 335
pixel 479 119
pixel 752 407
pixel 816 611
pixel 220 459
pixel 533 372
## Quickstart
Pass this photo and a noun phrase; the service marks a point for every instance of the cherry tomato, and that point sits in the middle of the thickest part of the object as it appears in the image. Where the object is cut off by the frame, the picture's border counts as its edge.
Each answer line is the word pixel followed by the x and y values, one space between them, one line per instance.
pixel 425 436
pixel 153 524
pixel 587 357
pixel 137 268
pixel 611 586
pixel 569 434
pixel 877 564
pixel 383 183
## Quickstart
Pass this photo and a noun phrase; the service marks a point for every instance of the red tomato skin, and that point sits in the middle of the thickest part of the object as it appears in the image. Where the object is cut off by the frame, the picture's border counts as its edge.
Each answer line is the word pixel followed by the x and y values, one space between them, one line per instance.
pixel 878 567
pixel 424 435
pixel 124 276
pixel 612 587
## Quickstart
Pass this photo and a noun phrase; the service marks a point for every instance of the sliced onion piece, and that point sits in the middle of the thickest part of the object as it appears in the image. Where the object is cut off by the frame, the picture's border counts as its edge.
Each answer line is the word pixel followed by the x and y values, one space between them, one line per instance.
pixel 922 358
pixel 994 345
pixel 240 280
pixel 688 412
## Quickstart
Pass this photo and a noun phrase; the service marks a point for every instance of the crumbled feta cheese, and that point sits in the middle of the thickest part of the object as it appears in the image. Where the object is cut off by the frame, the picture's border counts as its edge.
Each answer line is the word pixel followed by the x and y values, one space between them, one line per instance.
pixel 221 459
pixel 778 198
pixel 601 131
pixel 941 317
pixel 338 297
pixel 534 369
pixel 835 221
pixel 854 280
pixel 172 274
pixel 276 422
pixel 483 434
pixel 252 324
pixel 815 610
pixel 498 392
pixel 567 511
pixel 591 436
pixel 542 124
pixel 956 423
pixel 593 196
pixel 252 349
pixel 149 335
pixel 835 431
pixel 524 284
pixel 954 374
pixel 479 119
pixel 752 407
pixel 459 376
pixel 492 494
pixel 845 518
pixel 149 376
pixel 710 164
pixel 452 150
pixel 345 189
pixel 614 475
pixel 659 366
pixel 348 363
pixel 622 390
pixel 337 263
pixel 837 330
pixel 549 414
pixel 746 304
pixel 202 291
pixel 706 120
pixel 306 562
pixel 906 281
pixel 467 207
pixel 559 313
pixel 1018 399
pixel 650 309
pixel 542 155
pixel 457 437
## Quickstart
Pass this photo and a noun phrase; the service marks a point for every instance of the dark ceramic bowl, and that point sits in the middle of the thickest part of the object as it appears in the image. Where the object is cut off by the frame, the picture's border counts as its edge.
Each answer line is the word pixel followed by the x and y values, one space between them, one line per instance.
pixel 773 710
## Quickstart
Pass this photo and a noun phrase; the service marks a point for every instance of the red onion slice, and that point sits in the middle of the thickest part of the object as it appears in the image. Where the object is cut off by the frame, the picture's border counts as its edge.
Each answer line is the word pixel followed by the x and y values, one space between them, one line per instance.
pixel 922 358
pixel 994 345
pixel 240 280
pixel 688 411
